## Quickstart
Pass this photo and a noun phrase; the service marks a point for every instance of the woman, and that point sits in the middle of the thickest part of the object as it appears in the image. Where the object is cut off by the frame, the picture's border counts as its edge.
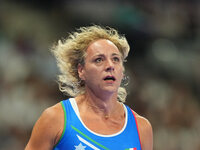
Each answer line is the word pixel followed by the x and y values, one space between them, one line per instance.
pixel 91 65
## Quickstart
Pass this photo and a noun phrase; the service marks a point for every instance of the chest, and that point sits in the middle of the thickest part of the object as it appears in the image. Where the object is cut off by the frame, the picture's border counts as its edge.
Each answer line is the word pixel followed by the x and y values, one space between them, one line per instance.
pixel 105 126
pixel 93 133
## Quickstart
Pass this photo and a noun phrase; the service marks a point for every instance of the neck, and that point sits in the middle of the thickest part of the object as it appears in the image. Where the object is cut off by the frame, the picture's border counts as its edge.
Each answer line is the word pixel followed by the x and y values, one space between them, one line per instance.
pixel 105 105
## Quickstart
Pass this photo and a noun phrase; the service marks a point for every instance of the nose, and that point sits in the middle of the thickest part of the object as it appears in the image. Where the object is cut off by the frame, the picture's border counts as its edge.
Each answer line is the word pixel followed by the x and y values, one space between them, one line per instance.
pixel 109 66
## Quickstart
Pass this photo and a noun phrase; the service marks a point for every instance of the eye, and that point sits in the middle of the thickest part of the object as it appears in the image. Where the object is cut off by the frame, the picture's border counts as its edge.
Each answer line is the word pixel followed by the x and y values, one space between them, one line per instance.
pixel 116 59
pixel 98 60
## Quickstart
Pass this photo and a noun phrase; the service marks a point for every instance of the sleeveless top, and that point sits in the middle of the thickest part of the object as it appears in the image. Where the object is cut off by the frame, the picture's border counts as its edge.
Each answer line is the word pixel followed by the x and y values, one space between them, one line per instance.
pixel 76 136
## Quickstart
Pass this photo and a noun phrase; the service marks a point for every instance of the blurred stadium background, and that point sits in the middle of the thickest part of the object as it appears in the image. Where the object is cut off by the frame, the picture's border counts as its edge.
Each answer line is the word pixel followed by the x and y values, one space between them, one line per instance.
pixel 163 65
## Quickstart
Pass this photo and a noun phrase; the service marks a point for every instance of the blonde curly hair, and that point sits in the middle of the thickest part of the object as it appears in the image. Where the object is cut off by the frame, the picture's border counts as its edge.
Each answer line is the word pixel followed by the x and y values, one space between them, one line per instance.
pixel 71 51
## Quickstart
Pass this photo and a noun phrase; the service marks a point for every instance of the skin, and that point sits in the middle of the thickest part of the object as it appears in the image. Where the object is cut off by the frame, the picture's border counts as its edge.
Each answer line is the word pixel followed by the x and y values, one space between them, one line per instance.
pixel 99 109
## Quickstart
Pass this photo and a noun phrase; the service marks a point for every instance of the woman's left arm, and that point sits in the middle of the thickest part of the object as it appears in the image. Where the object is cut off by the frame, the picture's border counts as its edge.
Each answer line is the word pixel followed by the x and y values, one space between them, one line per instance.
pixel 145 132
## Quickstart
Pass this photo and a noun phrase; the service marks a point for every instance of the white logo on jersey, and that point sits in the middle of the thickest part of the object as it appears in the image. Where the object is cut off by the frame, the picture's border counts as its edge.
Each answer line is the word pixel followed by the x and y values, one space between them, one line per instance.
pixel 80 147
pixel 87 143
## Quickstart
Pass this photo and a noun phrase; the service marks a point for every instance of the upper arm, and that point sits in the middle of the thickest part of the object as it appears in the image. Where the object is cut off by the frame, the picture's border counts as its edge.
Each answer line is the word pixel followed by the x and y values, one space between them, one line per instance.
pixel 146 133
pixel 47 129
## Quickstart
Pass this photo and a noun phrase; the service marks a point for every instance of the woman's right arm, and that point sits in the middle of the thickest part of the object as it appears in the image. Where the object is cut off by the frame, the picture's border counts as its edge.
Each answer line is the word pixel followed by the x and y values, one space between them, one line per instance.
pixel 47 130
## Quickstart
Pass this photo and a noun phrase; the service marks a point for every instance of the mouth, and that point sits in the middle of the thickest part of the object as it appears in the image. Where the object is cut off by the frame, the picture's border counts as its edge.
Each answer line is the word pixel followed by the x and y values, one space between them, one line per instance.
pixel 109 78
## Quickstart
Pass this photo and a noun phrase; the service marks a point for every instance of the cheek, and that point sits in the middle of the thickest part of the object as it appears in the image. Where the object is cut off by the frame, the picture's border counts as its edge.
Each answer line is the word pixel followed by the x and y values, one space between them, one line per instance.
pixel 92 74
pixel 121 72
pixel 120 75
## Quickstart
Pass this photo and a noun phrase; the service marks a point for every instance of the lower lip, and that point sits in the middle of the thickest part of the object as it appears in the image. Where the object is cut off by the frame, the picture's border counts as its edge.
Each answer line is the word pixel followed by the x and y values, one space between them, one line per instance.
pixel 109 81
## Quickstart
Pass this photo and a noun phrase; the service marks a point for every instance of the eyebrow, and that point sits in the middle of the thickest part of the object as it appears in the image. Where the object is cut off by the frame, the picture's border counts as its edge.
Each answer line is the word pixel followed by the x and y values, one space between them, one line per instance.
pixel 113 54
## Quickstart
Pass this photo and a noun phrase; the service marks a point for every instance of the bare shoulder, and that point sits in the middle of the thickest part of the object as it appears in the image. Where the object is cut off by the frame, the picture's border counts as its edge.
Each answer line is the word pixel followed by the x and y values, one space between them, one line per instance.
pixel 143 123
pixel 53 118
pixel 53 114
pixel 145 132
pixel 48 129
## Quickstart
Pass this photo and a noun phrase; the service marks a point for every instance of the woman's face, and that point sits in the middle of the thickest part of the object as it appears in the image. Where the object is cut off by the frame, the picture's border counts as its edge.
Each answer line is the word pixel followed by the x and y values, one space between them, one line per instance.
pixel 103 68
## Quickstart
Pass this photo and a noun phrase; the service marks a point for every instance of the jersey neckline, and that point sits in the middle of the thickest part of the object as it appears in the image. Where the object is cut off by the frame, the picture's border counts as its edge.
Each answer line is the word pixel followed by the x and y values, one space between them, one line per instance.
pixel 76 110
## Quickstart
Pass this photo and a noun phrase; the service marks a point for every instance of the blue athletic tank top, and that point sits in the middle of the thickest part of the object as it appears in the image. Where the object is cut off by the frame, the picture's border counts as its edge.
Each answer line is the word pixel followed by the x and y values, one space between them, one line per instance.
pixel 76 136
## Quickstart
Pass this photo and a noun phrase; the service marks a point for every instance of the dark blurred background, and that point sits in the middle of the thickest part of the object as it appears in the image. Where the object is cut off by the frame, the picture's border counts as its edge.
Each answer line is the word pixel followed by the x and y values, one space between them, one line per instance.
pixel 163 64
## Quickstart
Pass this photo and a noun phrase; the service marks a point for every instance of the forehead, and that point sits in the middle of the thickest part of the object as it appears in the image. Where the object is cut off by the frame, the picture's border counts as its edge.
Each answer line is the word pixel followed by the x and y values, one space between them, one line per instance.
pixel 102 46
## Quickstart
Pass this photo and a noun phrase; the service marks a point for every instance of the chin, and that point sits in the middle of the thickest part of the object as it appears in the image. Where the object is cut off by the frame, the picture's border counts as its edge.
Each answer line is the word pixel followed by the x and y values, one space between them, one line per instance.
pixel 110 89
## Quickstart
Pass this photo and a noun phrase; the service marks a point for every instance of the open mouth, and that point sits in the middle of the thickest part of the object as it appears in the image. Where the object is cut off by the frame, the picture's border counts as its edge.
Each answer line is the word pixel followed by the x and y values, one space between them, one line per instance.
pixel 109 78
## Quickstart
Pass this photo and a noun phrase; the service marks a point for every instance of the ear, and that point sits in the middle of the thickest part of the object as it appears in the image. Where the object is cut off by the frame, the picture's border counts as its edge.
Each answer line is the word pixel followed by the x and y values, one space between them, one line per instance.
pixel 81 72
pixel 123 75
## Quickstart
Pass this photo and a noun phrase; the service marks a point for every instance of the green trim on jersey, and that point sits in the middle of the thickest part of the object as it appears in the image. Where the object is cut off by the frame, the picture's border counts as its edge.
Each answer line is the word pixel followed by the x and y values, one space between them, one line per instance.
pixel 100 145
pixel 65 120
